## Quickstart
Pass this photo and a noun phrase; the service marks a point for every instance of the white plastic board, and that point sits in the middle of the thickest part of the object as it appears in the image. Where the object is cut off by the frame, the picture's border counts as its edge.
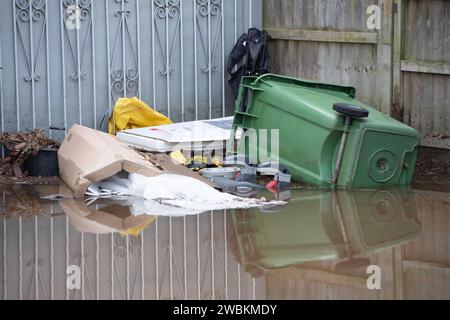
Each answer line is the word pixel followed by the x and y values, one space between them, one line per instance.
pixel 195 135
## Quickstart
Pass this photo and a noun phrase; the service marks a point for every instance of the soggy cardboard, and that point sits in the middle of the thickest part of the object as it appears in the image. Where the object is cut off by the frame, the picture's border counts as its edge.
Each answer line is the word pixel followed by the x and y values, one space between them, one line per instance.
pixel 103 218
pixel 88 156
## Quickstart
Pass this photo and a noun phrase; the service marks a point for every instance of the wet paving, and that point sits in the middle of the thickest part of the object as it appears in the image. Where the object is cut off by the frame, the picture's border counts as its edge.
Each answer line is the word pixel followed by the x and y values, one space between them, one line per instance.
pixel 319 246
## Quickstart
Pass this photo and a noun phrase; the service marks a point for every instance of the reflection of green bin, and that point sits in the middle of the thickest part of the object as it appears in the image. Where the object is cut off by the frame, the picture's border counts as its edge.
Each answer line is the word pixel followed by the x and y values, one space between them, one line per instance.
pixel 380 151
pixel 318 226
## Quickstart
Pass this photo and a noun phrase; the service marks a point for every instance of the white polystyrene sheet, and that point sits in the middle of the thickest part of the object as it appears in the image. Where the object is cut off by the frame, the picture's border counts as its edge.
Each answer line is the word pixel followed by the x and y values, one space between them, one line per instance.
pixel 194 135
pixel 184 195
pixel 155 145
pixel 194 131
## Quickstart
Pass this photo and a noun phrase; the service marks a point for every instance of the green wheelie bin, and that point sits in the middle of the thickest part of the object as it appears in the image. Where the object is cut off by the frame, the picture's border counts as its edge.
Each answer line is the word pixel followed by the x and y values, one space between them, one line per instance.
pixel 324 136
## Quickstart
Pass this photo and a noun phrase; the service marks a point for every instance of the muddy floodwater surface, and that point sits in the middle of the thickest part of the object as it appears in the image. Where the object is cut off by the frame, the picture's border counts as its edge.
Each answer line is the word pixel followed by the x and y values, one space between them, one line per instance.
pixel 320 246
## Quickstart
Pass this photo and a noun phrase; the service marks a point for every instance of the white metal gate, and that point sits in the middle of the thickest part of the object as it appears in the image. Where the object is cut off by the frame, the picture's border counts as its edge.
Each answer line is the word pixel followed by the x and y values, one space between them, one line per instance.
pixel 67 61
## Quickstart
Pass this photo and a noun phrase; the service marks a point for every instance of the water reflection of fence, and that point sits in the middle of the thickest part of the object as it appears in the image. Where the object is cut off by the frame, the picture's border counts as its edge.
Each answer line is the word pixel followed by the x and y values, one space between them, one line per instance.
pixel 175 258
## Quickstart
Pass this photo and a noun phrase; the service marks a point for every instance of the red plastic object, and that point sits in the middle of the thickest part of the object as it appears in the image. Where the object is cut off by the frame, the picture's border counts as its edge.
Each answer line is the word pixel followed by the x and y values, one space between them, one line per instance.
pixel 272 186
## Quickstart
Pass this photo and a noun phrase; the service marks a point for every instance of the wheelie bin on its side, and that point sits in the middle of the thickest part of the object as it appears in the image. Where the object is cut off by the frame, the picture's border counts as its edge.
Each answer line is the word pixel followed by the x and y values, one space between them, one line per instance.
pixel 326 137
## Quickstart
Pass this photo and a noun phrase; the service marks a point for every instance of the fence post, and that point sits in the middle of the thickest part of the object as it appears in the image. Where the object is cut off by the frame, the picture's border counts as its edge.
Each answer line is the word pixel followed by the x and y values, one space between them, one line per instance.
pixel 384 58
pixel 397 108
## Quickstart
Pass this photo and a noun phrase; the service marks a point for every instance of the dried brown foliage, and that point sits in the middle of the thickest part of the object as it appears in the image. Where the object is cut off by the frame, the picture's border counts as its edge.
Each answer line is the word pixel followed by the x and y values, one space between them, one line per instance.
pixel 21 146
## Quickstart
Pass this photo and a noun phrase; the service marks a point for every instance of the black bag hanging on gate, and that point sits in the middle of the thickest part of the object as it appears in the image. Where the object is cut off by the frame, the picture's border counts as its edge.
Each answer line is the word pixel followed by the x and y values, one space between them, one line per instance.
pixel 249 57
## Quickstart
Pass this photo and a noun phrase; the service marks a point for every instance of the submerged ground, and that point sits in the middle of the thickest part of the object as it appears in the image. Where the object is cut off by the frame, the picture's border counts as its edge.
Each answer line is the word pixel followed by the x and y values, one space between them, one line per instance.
pixel 318 246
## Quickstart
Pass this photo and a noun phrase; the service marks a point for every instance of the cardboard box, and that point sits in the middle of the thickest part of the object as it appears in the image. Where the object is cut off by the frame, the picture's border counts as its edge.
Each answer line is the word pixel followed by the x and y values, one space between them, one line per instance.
pixel 88 156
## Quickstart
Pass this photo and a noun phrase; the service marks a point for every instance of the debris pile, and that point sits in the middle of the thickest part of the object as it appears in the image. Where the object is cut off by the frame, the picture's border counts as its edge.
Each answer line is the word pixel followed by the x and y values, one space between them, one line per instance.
pixel 97 165
pixel 20 147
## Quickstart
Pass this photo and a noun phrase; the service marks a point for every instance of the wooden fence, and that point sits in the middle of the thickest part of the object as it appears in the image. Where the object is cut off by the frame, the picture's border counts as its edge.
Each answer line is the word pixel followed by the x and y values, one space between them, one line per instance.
pixel 402 69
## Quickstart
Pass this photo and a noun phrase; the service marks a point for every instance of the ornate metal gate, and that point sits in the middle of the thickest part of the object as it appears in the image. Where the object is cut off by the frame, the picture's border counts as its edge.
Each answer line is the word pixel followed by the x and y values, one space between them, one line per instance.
pixel 67 61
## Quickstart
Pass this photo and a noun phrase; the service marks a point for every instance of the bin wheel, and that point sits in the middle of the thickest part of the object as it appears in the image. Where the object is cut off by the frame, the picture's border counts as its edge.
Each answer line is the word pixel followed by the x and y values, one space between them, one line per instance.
pixel 351 110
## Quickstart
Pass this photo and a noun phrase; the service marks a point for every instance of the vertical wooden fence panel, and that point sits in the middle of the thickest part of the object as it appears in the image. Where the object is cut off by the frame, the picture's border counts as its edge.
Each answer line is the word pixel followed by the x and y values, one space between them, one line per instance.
pixel 401 69
pixel 423 71
pixel 327 41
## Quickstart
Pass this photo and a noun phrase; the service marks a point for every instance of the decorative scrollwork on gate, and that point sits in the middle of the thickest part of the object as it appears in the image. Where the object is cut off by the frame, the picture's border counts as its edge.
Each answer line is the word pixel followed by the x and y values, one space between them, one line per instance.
pixel 124 78
pixel 209 12
pixel 26 9
pixel 31 14
pixel 209 7
pixel 124 246
pixel 167 9
pixel 127 248
pixel 81 11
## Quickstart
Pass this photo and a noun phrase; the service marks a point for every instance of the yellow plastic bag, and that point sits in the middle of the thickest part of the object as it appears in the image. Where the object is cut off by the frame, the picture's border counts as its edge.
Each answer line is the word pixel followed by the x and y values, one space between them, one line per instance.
pixel 132 113
pixel 136 231
pixel 179 157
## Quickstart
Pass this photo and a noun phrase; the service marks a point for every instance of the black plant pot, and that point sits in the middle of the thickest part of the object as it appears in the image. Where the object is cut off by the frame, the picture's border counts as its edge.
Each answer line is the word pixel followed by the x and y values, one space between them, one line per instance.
pixel 44 164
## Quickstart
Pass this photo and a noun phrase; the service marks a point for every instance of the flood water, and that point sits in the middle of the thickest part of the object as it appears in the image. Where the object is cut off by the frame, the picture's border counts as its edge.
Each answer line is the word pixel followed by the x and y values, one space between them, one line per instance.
pixel 319 246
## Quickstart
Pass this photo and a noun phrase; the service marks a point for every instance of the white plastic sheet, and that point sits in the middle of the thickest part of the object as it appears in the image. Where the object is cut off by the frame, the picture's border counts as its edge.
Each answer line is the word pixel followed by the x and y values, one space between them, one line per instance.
pixel 194 135
pixel 168 193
